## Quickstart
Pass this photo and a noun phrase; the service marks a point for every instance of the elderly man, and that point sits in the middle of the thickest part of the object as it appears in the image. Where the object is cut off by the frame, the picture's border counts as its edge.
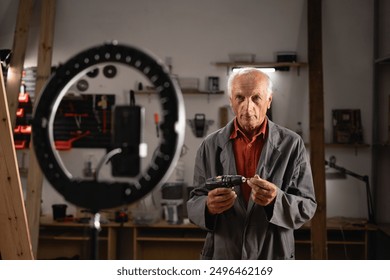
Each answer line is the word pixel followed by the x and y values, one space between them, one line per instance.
pixel 256 219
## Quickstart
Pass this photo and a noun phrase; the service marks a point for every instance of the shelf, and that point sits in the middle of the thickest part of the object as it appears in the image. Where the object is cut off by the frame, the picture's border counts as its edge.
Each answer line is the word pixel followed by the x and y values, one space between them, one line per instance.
pixel 332 242
pixel 184 92
pixel 165 241
pixel 262 64
pixel 346 238
pixel 363 243
pixel 383 60
pixel 69 238
pixel 343 146
pixel 209 94
pixel 382 145
pixel 297 241
pixel 203 92
pixel 276 65
pixel 338 145
pixel 168 239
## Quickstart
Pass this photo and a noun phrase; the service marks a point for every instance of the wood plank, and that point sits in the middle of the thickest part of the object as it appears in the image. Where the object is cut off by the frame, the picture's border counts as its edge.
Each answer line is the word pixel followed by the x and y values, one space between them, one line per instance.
pixel 317 153
pixel 14 235
pixel 18 55
pixel 35 176
pixel 112 244
pixel 388 123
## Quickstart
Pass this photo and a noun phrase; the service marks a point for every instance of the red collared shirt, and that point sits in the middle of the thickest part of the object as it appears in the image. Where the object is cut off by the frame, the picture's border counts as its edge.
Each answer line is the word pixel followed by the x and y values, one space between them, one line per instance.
pixel 247 153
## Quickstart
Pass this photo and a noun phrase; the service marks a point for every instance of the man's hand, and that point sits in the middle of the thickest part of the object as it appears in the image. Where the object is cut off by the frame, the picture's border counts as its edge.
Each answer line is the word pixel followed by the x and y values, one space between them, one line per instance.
pixel 220 200
pixel 263 192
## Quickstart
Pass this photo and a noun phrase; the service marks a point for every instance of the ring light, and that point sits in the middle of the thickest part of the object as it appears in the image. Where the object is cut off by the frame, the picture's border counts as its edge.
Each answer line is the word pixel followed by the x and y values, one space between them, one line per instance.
pixel 96 194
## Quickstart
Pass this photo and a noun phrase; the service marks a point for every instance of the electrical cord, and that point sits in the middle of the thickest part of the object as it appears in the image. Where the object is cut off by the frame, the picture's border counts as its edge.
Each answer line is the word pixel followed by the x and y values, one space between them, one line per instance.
pixel 104 160
pixel 344 243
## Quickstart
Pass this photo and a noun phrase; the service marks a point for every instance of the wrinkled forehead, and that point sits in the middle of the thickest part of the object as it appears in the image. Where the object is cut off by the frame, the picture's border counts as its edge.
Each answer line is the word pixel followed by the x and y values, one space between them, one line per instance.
pixel 250 83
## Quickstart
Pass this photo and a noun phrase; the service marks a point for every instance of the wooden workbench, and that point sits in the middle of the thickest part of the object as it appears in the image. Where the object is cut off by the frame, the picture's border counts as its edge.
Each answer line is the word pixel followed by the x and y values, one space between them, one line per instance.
pixel 346 239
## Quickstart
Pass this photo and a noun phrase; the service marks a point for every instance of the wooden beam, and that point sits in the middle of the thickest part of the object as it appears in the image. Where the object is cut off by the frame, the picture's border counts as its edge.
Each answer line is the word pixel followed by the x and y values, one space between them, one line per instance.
pixel 18 54
pixel 317 153
pixel 35 177
pixel 14 235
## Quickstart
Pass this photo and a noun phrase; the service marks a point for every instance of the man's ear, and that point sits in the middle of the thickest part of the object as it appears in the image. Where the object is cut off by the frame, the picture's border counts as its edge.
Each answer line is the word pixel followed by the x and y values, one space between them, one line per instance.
pixel 269 100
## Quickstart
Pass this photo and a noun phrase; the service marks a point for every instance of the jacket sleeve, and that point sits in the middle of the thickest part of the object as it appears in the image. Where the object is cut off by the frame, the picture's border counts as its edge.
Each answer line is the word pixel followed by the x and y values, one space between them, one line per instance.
pixel 196 205
pixel 295 202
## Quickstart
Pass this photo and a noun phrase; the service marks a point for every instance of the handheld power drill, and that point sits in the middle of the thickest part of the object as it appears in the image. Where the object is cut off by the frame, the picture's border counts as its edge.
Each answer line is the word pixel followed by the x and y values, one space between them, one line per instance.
pixel 225 181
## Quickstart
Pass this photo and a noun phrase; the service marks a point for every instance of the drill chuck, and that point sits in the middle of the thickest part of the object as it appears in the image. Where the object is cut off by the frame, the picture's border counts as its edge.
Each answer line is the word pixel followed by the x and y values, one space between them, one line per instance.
pixel 225 181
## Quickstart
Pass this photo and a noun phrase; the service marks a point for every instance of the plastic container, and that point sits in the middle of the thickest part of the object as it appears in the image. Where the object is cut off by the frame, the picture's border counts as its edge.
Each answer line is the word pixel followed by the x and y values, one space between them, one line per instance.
pixel 59 211
pixel 142 216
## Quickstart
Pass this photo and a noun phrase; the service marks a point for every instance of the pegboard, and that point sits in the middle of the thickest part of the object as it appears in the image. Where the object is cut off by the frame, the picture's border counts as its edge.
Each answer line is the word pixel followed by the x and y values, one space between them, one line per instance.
pixel 84 121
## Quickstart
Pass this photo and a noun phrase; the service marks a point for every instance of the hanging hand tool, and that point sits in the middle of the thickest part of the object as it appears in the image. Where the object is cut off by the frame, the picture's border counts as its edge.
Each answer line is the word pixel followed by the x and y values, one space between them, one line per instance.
pixel 96 113
pixel 156 121
pixel 67 144
pixel 103 104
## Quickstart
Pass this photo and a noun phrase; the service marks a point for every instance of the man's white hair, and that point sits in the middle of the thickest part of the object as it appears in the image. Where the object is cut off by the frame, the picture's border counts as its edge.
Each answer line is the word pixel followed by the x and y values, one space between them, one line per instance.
pixel 245 71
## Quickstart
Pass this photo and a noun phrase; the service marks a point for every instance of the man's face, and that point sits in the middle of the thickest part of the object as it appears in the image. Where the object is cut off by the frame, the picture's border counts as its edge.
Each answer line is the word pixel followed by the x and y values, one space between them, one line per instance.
pixel 249 101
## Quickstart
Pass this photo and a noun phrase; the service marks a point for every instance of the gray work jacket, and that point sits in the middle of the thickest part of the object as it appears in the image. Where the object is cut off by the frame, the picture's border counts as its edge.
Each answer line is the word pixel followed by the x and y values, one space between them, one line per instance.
pixel 254 232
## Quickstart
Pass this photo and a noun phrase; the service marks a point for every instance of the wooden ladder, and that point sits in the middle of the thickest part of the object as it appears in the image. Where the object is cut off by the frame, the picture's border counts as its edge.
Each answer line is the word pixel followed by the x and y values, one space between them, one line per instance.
pixel 15 241
pixel 19 238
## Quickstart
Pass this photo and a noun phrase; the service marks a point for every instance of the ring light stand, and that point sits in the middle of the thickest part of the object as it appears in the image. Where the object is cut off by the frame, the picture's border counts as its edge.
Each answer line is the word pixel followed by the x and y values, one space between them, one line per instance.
pixel 95 194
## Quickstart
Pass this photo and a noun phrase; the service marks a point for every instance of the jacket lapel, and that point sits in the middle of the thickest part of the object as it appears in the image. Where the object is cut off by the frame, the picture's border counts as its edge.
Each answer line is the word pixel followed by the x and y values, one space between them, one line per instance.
pixel 228 162
pixel 270 153
pixel 268 157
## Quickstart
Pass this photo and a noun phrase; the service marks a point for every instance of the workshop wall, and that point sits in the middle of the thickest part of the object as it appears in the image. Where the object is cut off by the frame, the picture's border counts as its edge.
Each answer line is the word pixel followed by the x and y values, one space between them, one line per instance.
pixel 195 34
